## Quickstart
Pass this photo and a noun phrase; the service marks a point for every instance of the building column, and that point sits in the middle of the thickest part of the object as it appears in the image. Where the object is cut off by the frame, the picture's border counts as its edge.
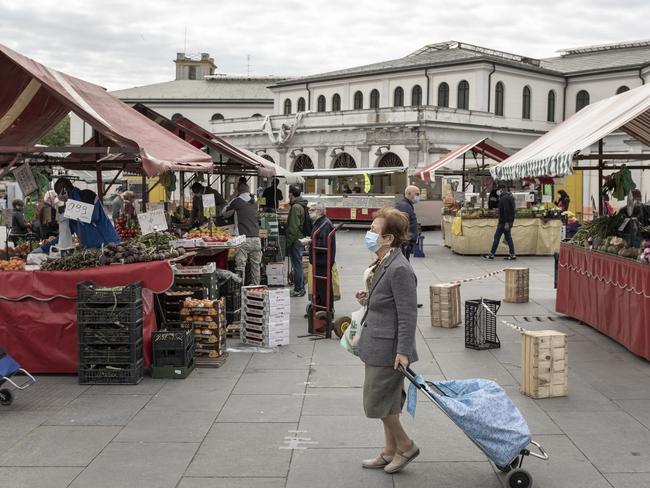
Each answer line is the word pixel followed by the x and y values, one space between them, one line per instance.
pixel 321 184
pixel 282 157
pixel 414 152
pixel 365 152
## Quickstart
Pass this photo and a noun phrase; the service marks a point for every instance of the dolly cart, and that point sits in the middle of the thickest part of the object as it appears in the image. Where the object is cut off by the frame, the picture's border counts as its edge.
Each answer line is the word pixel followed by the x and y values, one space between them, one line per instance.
pixel 9 368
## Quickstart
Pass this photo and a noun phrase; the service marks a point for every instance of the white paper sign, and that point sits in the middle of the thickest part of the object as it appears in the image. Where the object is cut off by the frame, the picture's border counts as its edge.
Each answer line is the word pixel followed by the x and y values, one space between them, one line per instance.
pixel 153 221
pixel 25 179
pixel 547 198
pixel 76 210
pixel 3 236
pixel 530 197
pixel 208 201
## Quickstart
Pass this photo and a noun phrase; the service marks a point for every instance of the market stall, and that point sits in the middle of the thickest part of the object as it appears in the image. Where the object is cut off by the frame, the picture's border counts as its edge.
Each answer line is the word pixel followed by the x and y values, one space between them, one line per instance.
pixel 604 273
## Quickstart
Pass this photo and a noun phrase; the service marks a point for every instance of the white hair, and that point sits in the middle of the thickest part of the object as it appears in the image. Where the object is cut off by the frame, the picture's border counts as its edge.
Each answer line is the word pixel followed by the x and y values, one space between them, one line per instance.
pixel 320 206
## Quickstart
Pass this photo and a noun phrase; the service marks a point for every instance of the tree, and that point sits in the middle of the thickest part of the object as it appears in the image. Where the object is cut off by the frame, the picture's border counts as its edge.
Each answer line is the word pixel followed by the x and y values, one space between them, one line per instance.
pixel 60 135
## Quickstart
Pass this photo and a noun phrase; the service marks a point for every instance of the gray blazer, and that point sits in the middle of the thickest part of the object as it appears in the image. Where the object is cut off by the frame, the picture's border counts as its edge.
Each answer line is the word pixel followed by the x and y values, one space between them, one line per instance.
pixel 391 318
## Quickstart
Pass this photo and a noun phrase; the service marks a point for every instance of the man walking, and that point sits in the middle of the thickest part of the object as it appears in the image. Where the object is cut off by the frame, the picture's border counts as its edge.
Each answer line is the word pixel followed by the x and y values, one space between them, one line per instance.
pixel 406 205
pixel 506 221
pixel 298 227
pixel 250 252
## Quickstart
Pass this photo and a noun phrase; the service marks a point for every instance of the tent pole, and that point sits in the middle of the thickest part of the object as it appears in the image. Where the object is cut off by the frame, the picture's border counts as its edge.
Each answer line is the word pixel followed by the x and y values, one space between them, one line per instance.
pixel 463 179
pixel 145 193
pixel 100 182
pixel 600 177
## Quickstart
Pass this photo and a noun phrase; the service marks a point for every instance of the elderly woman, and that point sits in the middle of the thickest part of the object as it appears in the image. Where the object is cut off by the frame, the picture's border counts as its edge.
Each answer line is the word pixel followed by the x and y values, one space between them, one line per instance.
pixel 387 340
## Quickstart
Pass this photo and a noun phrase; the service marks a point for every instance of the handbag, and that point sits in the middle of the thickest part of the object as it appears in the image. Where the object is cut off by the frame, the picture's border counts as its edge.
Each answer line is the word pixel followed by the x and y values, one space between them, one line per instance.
pixel 352 335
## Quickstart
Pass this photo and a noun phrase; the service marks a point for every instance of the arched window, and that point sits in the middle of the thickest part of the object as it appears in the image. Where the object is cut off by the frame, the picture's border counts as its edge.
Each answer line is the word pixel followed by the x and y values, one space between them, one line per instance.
pixel 374 98
pixel 525 103
pixel 268 157
pixel 622 89
pixel 416 96
pixel 463 95
pixel 217 117
pixel 301 104
pixel 302 162
pixel 177 116
pixel 398 97
pixel 287 106
pixel 256 115
pixel 443 95
pixel 358 100
pixel 499 93
pixel 550 107
pixel 390 160
pixel 582 100
pixel 320 106
pixel 336 102
pixel 344 160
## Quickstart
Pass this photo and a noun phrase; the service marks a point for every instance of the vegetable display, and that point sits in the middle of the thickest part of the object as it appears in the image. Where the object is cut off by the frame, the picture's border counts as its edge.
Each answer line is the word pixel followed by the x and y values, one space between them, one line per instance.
pixel 13 264
pixel 126 228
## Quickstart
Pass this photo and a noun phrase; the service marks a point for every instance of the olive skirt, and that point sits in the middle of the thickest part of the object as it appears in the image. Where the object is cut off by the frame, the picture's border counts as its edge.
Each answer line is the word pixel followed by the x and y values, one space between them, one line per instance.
pixel 383 391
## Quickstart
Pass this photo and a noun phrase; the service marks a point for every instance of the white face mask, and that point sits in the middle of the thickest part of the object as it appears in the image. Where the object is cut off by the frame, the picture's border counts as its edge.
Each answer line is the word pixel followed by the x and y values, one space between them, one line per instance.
pixel 416 198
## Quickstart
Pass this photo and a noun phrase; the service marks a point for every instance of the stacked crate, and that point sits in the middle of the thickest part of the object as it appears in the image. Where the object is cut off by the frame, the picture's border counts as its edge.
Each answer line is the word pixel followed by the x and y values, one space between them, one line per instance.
pixel 265 316
pixel 172 302
pixel 445 305
pixel 109 323
pixel 173 353
pixel 230 290
pixel 201 281
pixel 207 321
pixel 544 364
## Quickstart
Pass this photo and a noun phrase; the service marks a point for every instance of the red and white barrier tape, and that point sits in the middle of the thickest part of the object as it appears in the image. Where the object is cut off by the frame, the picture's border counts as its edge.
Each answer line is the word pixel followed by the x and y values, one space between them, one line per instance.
pixel 476 278
pixel 518 328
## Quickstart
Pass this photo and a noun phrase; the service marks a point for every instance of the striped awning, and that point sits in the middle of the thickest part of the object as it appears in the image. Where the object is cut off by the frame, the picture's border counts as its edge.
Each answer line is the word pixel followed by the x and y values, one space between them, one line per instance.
pixel 484 147
pixel 554 152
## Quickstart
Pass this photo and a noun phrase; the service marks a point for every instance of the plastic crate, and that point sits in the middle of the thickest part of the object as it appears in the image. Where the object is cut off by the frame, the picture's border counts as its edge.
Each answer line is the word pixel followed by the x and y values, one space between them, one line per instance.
pixel 115 375
pixel 110 354
pixel 481 324
pixel 106 313
pixel 229 286
pixel 88 292
pixel 172 348
pixel 233 302
pixel 110 333
pixel 232 317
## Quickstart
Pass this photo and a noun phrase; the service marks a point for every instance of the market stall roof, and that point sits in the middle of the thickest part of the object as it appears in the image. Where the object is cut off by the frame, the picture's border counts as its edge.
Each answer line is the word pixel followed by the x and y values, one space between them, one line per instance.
pixel 34 98
pixel 485 147
pixel 235 158
pixel 553 153
pixel 332 172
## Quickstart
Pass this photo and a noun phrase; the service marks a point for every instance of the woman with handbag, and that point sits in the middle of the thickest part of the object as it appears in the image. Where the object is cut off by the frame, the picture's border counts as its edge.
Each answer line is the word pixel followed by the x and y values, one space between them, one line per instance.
pixel 387 336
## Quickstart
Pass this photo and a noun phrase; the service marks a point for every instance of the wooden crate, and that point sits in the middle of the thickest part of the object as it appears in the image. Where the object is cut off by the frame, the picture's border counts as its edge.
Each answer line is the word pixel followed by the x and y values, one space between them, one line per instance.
pixel 516 285
pixel 445 305
pixel 544 364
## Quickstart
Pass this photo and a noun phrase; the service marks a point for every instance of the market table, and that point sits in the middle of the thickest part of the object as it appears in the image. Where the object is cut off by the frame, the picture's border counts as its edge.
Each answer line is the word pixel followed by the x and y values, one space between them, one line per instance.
pixel 38 311
pixel 607 292
pixel 532 236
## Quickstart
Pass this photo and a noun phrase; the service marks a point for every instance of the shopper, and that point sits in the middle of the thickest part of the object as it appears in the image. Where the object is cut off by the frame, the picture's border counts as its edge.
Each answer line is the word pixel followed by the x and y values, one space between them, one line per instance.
pixel 49 226
pixel 322 226
pixel 117 203
pixel 18 225
pixel 506 221
pixel 197 217
pixel 298 226
pixel 407 206
pixel 250 252
pixel 563 201
pixel 272 195
pixel 387 340
pixel 493 198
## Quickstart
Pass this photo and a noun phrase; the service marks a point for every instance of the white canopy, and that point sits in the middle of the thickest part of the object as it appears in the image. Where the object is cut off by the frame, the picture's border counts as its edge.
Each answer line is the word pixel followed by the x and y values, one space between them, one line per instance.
pixel 332 172
pixel 553 153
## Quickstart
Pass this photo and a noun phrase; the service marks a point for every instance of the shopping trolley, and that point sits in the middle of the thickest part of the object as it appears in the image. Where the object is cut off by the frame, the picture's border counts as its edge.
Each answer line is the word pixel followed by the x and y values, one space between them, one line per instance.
pixel 8 369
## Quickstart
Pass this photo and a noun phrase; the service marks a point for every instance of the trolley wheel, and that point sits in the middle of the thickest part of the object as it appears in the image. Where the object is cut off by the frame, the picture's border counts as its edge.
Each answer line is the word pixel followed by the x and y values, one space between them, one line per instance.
pixel 509 467
pixel 340 326
pixel 6 397
pixel 519 478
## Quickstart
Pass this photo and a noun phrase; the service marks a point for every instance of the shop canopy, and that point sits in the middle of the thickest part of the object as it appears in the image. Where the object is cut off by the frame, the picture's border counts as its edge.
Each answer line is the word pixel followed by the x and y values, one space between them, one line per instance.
pixel 228 158
pixel 554 152
pixel 35 98
pixel 343 172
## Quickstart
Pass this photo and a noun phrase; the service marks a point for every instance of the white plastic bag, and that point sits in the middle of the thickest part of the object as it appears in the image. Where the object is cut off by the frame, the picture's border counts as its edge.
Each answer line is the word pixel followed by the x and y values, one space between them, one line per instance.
pixel 352 335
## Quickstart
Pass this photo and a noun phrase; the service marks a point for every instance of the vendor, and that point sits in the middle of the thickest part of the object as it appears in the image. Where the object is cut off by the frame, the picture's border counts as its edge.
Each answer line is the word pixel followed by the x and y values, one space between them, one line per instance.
pixel 98 232
pixel 198 216
pixel 18 225
pixel 563 200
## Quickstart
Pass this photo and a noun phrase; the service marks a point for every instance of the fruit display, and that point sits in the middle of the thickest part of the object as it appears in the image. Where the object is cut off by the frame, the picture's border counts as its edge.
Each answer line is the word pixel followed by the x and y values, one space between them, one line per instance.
pixel 13 264
pixel 127 228
pixel 207 319
pixel 19 251
pixel 214 234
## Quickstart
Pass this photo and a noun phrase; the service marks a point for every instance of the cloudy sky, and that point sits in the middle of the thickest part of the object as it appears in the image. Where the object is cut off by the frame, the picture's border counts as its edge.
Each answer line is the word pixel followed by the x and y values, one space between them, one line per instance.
pixel 123 43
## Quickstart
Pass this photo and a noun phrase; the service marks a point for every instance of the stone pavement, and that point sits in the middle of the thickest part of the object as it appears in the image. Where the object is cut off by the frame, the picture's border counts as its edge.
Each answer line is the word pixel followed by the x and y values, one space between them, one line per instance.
pixel 293 418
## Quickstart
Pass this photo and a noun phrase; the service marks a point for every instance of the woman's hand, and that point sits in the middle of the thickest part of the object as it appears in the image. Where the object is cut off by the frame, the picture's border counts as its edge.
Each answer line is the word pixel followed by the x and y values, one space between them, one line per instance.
pixel 361 296
pixel 401 360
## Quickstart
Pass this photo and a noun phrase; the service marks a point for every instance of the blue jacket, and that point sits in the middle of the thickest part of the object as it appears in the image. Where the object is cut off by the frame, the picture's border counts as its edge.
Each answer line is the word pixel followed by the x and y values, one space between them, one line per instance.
pixel 406 206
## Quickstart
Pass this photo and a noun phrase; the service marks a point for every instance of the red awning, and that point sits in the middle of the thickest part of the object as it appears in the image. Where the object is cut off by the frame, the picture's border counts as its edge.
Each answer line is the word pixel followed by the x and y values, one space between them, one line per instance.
pixel 34 98
pixel 484 147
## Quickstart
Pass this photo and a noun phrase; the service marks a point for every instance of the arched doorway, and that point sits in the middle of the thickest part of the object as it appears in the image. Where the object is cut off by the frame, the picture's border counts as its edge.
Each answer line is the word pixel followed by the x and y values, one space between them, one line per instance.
pixel 391 183
pixel 268 157
pixel 302 162
pixel 390 160
pixel 344 160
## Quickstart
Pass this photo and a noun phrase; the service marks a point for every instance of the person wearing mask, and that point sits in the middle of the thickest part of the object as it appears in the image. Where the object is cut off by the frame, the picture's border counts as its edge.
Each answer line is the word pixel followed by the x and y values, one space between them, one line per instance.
pixel 272 195
pixel 506 221
pixel 387 340
pixel 563 201
pixel 407 206
pixel 19 228
pixel 49 226
pixel 117 203
pixel 297 224
pixel 493 199
pixel 321 226
pixel 250 252
pixel 197 216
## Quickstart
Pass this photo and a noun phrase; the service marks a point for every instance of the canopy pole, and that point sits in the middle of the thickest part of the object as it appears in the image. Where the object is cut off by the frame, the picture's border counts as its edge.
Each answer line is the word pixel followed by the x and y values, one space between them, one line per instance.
pixel 600 177
pixel 145 193
pixel 181 197
pixel 463 180
pixel 100 182
pixel 483 189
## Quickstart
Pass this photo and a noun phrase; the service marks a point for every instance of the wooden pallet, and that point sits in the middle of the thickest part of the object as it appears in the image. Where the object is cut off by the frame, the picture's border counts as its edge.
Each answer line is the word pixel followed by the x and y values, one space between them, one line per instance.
pixel 204 362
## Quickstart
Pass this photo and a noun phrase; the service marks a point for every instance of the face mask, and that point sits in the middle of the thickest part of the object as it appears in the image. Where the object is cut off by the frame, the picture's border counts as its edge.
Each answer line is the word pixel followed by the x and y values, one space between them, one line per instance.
pixel 416 198
pixel 372 241
pixel 499 192
pixel 314 216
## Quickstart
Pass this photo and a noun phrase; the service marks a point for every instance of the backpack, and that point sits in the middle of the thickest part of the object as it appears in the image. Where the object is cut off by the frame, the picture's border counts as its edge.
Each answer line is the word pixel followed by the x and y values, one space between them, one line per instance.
pixel 307 225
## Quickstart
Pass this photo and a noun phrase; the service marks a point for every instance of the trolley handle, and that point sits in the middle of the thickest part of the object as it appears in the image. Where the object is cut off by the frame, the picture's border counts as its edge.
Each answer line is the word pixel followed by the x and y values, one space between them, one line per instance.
pixel 543 455
pixel 411 376
pixel 25 384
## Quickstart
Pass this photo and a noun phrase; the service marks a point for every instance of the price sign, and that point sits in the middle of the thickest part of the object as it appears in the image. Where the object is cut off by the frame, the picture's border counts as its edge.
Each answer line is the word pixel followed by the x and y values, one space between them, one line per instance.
pixel 75 210
pixel 353 213
pixel 208 201
pixel 25 179
pixel 153 221
pixel 547 199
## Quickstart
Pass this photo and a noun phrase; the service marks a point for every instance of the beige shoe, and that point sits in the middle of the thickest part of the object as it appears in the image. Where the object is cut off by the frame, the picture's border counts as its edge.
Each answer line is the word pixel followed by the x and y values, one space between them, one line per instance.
pixel 401 459
pixel 381 461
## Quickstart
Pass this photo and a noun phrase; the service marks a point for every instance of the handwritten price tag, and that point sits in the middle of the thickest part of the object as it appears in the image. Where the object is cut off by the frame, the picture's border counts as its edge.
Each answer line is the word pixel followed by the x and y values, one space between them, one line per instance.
pixel 208 201
pixel 75 210
pixel 153 221
pixel 25 179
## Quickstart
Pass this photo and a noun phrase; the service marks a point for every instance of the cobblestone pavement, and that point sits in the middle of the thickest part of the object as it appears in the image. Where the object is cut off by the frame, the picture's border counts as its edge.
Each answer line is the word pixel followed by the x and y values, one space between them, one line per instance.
pixel 293 418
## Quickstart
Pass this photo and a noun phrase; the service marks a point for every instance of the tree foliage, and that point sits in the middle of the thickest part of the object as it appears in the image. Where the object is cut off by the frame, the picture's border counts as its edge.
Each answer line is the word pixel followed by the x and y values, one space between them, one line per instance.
pixel 60 135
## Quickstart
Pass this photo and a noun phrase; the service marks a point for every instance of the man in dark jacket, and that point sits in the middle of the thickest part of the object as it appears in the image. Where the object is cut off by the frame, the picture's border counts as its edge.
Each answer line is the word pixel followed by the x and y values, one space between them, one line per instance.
pixel 506 221
pixel 406 205
pixel 273 195
pixel 322 226
pixel 294 234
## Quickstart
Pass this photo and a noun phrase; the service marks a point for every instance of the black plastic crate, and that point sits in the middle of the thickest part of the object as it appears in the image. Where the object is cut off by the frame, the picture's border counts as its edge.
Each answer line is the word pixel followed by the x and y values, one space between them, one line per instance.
pixel 110 333
pixel 165 339
pixel 106 313
pixel 481 324
pixel 88 292
pixel 233 316
pixel 110 354
pixel 233 302
pixel 229 286
pixel 113 375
